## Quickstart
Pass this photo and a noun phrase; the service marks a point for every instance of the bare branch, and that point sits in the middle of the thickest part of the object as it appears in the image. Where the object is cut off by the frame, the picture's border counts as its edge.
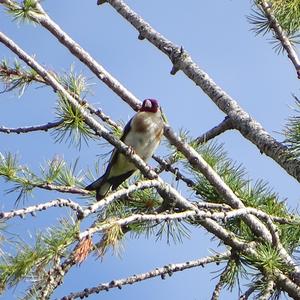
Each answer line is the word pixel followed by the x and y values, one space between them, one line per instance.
pixel 225 125
pixel 27 129
pixel 61 188
pixel 163 271
pixel 43 206
pixel 213 206
pixel 165 165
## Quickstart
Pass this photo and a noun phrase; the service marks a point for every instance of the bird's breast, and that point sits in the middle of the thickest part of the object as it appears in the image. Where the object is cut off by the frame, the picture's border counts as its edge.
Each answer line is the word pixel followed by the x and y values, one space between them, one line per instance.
pixel 145 134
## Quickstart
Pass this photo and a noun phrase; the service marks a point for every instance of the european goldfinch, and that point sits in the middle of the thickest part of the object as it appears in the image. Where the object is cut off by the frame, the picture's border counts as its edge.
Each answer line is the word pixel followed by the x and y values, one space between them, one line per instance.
pixel 143 133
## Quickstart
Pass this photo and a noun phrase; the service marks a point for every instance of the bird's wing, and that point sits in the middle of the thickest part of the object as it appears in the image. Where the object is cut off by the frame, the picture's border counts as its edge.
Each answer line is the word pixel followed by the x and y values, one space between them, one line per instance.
pixel 116 152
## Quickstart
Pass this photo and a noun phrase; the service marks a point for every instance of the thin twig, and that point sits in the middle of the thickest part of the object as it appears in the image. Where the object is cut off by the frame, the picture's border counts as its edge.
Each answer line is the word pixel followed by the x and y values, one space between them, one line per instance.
pixel 165 165
pixel 219 285
pixel 163 271
pixel 103 203
pixel 249 292
pixel 27 129
pixel 225 125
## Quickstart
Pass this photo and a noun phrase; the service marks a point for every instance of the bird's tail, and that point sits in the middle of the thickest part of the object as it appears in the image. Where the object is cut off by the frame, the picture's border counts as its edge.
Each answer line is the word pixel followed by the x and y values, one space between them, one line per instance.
pixel 101 186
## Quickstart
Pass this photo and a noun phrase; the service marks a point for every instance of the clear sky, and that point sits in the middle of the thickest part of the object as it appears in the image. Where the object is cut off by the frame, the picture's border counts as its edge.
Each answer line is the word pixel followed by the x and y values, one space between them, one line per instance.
pixel 217 35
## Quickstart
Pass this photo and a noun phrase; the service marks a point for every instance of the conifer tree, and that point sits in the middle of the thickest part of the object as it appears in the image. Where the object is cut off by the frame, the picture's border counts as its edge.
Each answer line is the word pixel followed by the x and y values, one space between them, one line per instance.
pixel 192 185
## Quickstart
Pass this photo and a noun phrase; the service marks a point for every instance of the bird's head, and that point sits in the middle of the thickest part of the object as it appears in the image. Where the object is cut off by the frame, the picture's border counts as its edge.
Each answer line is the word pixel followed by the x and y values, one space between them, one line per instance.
pixel 150 105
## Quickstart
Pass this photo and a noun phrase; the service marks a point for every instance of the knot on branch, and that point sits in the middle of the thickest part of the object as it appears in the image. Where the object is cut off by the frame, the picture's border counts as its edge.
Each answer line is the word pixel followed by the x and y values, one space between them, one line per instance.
pixel 175 56
pixel 141 35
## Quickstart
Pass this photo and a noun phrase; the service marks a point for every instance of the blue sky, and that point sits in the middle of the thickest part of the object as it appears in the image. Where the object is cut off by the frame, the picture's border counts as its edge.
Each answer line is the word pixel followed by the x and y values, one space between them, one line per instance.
pixel 217 35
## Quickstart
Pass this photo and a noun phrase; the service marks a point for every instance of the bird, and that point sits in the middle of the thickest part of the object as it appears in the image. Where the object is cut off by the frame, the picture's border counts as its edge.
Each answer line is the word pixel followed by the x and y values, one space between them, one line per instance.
pixel 143 134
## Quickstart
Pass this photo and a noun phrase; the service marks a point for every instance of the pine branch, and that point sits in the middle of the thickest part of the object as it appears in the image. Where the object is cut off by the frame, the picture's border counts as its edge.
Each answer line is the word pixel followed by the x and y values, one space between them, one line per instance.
pixel 241 120
pixel 215 180
pixel 28 129
pixel 165 190
pixel 281 35
pixel 17 77
pixel 162 271
pixel 194 214
pixel 34 261
pixel 9 75
pixel 52 279
pixel 43 206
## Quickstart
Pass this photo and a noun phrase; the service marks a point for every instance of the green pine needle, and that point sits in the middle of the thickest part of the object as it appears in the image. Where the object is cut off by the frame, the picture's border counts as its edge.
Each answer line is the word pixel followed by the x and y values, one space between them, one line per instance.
pixel 292 130
pixel 8 165
pixel 287 13
pixel 172 230
pixel 267 260
pixel 23 12
pixel 73 129
pixel 33 261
